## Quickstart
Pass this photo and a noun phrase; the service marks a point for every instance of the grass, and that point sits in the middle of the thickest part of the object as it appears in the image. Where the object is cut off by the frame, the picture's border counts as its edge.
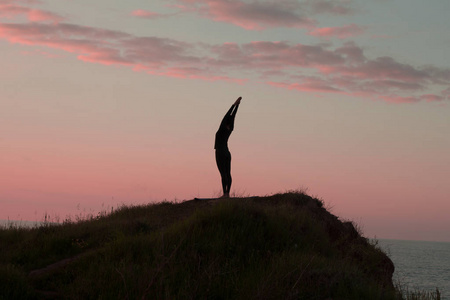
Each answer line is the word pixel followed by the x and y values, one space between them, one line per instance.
pixel 285 246
pixel 418 294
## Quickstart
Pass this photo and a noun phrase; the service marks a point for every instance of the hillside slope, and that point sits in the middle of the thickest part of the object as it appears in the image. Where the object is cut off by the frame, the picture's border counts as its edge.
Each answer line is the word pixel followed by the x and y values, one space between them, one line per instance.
pixel 285 246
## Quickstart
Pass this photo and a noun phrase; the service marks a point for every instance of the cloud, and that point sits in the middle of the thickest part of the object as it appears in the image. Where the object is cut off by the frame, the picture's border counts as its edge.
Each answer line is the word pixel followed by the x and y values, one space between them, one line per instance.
pixel 274 55
pixel 254 15
pixel 34 15
pixel 431 98
pixel 307 85
pixel 446 93
pixel 153 55
pixel 333 7
pixel 259 15
pixel 145 14
pixel 344 69
pixel 320 68
pixel 28 2
pixel 99 45
pixel 340 70
pixel 400 99
pixel 342 32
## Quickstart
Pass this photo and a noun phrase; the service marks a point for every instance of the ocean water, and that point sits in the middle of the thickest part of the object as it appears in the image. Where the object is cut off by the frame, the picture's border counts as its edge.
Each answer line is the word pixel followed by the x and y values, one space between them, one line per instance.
pixel 7 223
pixel 420 265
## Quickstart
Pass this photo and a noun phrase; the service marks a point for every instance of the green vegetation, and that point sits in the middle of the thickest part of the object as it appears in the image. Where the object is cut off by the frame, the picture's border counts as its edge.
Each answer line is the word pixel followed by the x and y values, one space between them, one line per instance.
pixel 285 246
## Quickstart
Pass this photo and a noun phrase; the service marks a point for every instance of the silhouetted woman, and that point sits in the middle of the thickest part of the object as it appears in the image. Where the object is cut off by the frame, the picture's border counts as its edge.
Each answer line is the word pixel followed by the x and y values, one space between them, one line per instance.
pixel 223 155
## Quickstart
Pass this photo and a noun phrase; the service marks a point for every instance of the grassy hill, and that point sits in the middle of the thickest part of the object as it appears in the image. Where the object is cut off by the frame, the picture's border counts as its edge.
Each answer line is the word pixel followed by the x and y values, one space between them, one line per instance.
pixel 285 246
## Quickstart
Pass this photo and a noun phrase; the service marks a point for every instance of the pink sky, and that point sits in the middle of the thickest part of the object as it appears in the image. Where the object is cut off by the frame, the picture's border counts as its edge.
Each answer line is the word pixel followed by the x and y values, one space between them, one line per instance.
pixel 119 103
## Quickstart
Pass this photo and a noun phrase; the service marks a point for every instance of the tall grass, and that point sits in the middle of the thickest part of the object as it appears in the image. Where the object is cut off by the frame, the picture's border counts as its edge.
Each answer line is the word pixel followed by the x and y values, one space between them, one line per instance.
pixel 285 246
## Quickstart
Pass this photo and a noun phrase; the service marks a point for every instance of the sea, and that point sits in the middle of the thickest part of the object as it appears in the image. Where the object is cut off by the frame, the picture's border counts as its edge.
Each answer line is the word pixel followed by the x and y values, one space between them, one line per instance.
pixel 420 265
pixel 30 224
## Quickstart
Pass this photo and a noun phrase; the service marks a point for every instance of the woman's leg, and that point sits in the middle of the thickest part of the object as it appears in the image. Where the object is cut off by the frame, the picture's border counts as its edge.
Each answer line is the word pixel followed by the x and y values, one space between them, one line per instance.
pixel 223 160
pixel 228 179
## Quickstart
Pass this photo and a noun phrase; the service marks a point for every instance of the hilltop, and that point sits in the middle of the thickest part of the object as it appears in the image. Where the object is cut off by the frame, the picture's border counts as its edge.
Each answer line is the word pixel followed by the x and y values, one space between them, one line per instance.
pixel 285 246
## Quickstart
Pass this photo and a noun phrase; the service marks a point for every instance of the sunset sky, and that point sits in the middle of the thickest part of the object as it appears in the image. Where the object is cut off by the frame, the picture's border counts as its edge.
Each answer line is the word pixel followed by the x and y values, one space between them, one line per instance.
pixel 112 102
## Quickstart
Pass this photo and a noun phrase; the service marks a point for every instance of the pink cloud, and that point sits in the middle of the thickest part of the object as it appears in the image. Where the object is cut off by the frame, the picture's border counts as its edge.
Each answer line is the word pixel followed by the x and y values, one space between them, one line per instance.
pixel 274 55
pixel 23 1
pixel 332 7
pixel 307 85
pixel 158 56
pixel 342 70
pixel 343 32
pixel 193 73
pixel 33 15
pixel 446 93
pixel 98 45
pixel 259 15
pixel 146 14
pixel 306 68
pixel 36 15
pixel 346 68
pixel 40 53
pixel 399 99
pixel 431 97
pixel 386 68
pixel 255 15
